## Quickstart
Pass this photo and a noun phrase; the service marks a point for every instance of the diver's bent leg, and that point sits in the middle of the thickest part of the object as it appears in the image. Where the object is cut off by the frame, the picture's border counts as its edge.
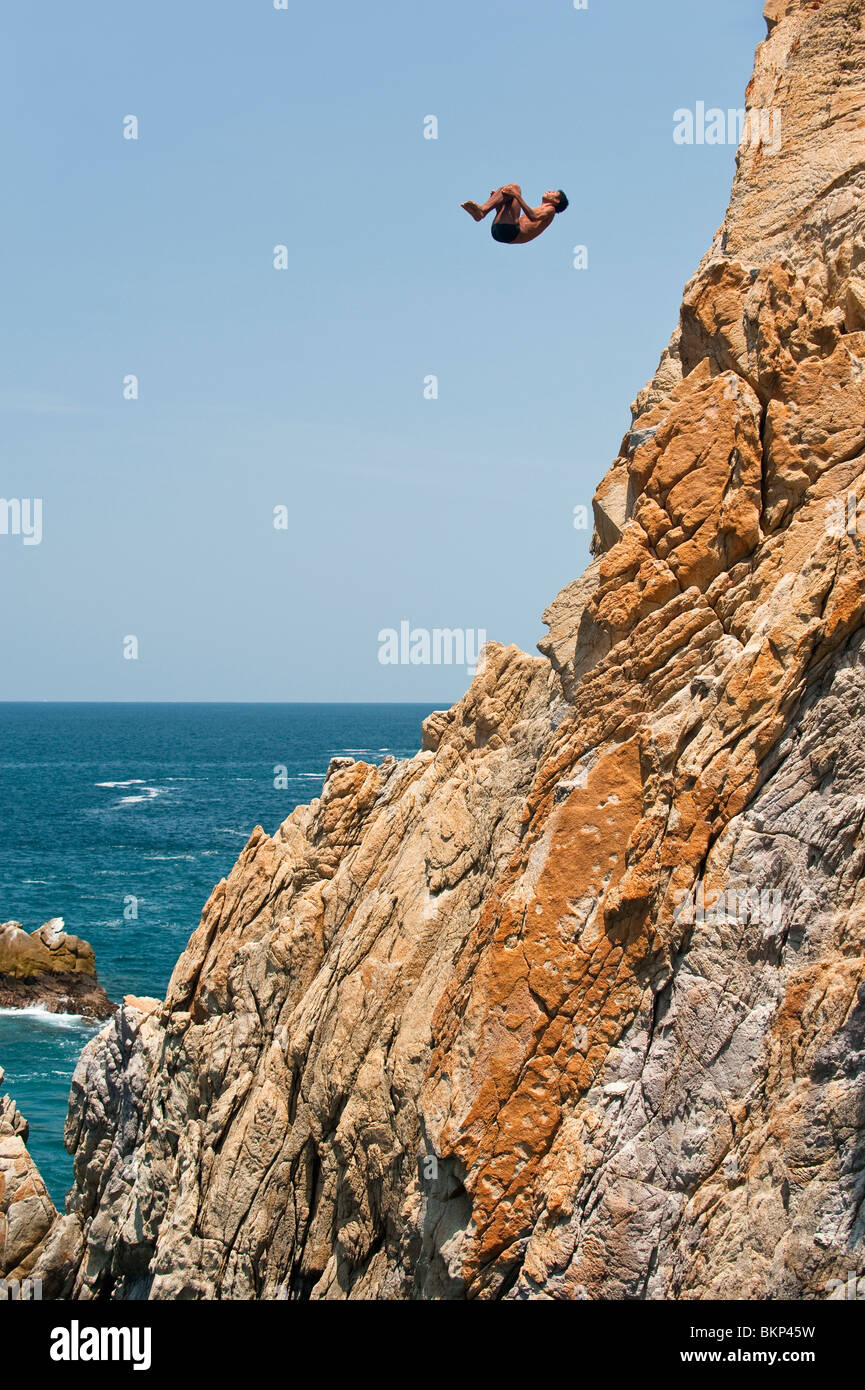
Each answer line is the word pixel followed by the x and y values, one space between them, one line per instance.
pixel 509 209
pixel 497 200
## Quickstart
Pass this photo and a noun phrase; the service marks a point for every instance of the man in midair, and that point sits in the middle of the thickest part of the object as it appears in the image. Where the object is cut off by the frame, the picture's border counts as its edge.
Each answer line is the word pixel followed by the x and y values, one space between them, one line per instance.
pixel 515 222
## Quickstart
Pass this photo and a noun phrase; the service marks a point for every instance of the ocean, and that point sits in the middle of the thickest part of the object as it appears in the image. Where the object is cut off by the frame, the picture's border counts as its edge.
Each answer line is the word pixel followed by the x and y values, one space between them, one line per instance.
pixel 120 818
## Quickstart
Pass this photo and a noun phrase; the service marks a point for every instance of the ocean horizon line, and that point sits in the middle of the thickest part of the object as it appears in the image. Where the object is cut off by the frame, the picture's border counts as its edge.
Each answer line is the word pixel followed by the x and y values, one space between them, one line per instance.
pixel 308 704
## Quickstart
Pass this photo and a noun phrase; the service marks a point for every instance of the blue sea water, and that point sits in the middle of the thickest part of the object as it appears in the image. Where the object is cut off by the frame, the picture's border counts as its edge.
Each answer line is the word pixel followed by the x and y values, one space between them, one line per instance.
pixel 101 804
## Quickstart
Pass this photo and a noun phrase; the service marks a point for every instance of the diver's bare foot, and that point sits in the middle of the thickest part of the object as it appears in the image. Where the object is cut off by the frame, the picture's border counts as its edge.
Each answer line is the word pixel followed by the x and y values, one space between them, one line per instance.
pixel 473 210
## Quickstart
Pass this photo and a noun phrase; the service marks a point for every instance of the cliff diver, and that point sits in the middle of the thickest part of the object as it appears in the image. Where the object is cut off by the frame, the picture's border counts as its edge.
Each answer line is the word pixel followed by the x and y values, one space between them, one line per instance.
pixel 515 222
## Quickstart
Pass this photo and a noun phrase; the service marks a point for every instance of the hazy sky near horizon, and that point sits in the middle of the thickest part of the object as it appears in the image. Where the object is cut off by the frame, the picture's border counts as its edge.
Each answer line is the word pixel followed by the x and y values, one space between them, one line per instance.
pixel 304 387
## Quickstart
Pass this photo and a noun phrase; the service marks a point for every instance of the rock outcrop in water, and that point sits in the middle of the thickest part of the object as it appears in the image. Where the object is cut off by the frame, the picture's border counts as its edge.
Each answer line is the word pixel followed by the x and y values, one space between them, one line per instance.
pixel 51 969
pixel 572 1003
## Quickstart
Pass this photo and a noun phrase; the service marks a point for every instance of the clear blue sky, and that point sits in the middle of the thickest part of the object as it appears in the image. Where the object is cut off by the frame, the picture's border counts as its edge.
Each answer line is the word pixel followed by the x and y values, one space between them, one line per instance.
pixel 304 387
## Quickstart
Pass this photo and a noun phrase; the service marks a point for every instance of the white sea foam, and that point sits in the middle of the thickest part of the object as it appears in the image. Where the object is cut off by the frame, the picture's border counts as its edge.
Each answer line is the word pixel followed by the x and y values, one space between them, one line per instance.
pixel 147 794
pixel 134 782
pixel 42 1015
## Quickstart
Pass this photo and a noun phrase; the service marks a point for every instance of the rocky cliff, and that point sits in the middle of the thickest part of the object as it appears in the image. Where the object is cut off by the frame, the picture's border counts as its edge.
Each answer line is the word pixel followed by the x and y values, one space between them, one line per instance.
pixel 572 1003
pixel 27 1214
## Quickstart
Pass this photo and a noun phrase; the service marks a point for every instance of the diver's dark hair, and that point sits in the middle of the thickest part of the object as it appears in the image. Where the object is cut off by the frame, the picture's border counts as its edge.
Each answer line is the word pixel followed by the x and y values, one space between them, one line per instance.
pixel 563 202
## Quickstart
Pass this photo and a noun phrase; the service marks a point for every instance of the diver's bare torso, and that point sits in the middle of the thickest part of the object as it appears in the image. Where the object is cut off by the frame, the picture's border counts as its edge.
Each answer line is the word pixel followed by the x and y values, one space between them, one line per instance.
pixel 529 230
